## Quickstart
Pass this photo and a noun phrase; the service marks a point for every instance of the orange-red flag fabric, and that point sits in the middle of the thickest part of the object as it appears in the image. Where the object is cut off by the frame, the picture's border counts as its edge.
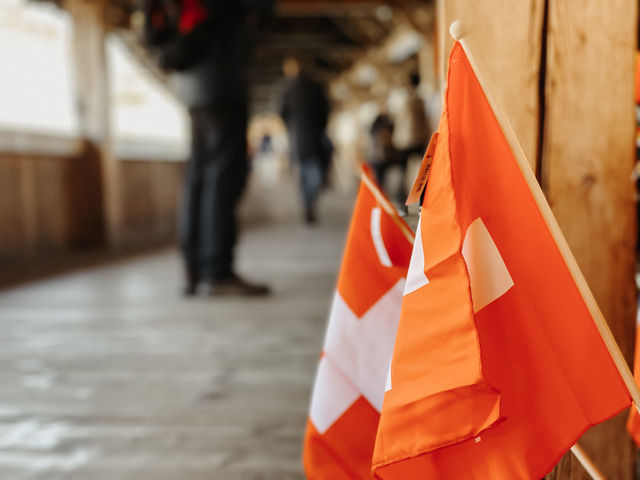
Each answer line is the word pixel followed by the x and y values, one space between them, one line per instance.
pixel 350 382
pixel 498 367
pixel 633 423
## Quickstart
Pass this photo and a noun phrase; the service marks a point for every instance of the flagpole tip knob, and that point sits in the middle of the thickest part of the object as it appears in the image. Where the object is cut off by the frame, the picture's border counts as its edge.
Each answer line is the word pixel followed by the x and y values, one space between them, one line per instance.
pixel 456 30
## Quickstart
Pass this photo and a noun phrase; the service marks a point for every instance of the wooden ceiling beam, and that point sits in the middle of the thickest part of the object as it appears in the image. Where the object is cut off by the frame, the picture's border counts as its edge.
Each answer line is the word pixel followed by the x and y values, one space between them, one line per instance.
pixel 328 8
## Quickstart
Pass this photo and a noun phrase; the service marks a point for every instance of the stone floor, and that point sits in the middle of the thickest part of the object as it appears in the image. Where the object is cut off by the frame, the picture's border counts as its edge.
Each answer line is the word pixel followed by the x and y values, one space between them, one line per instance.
pixel 107 373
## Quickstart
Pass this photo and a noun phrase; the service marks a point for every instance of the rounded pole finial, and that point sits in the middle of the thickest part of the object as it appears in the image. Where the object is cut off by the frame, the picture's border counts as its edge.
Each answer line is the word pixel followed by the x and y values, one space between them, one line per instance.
pixel 456 30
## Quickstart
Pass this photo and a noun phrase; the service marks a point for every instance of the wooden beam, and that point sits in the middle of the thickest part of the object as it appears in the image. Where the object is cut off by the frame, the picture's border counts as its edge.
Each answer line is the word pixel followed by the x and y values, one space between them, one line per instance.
pixel 339 8
pixel 93 106
pixel 587 161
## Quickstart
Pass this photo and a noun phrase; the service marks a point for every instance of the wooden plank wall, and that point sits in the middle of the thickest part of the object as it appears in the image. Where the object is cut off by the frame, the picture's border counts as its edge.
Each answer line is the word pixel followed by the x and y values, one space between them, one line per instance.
pixel 587 161
pixel 587 140
pixel 501 32
pixel 150 193
pixel 32 199
pixel 52 204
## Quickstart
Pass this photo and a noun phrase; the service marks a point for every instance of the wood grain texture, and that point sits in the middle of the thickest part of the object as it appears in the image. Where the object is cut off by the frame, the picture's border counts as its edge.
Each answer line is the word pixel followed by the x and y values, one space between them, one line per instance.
pixel 150 194
pixel 587 161
pixel 505 39
pixel 33 217
pixel 85 198
pixel 50 205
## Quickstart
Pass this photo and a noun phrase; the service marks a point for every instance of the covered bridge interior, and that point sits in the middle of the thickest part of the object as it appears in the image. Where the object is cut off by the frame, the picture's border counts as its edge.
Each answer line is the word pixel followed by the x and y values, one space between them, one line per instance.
pixel 563 72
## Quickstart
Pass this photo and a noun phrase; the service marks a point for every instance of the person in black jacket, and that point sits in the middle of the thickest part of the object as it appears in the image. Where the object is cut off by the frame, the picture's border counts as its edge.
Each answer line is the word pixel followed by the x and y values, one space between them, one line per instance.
pixel 206 46
pixel 304 109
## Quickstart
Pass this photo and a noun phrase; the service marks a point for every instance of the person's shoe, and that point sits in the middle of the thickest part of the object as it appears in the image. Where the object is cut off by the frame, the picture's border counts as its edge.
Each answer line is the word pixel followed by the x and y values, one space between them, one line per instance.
pixel 189 289
pixel 234 285
pixel 310 217
pixel 191 285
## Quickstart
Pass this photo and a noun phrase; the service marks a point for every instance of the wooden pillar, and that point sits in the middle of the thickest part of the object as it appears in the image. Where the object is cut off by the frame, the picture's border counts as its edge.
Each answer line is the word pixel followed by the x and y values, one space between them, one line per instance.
pixel 93 106
pixel 587 161
pixel 577 119
pixel 503 35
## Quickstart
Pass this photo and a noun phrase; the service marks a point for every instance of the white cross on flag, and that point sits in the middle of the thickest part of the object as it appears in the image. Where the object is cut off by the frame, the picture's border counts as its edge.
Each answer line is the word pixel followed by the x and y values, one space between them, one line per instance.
pixel 350 382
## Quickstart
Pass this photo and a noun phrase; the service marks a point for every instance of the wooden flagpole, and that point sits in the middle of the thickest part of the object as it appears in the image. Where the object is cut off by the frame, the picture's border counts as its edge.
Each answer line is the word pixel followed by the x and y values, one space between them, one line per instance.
pixel 386 205
pixel 457 33
pixel 587 463
pixel 603 328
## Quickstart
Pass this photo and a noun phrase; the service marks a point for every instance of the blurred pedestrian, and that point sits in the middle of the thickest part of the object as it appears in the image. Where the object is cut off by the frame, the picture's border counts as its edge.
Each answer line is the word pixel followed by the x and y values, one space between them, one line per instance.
pixel 206 46
pixel 411 132
pixel 304 108
pixel 382 155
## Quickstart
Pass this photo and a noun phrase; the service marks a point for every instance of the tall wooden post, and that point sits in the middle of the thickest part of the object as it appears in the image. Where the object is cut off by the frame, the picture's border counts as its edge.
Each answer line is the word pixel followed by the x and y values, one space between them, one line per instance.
pixel 587 161
pixel 563 73
pixel 93 106
pixel 503 34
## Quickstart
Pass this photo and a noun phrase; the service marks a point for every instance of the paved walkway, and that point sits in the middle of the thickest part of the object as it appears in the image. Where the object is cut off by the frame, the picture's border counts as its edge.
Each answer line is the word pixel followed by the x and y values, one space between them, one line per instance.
pixel 108 374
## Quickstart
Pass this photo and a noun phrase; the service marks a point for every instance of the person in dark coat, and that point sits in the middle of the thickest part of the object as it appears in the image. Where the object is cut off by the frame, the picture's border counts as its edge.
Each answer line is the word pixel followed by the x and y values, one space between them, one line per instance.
pixel 304 109
pixel 205 45
pixel 382 154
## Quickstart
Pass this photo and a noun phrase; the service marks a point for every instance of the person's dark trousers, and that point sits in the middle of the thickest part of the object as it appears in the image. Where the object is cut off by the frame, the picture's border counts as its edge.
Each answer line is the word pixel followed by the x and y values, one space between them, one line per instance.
pixel 215 177
pixel 380 172
pixel 311 181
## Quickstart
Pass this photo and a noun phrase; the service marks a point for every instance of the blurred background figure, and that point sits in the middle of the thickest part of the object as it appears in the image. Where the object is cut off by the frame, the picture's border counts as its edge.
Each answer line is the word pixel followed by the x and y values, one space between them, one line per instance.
pixel 206 44
pixel 411 131
pixel 304 108
pixel 382 153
